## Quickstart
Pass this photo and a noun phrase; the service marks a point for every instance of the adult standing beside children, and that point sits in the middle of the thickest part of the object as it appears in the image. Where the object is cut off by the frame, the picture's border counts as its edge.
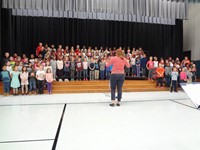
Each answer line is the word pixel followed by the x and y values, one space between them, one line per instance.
pixel 117 75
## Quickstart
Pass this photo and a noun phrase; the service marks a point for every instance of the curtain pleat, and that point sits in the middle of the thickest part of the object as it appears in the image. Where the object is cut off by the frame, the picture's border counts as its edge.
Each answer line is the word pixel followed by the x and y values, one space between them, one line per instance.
pixel 122 9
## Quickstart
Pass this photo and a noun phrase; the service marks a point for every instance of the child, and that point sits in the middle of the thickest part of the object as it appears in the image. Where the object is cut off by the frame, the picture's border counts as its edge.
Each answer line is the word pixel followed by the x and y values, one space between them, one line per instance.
pixel 79 68
pixel 5 77
pixel 47 66
pixel 67 69
pixel 102 69
pixel 49 79
pixel 53 64
pixel 72 69
pixel 150 67
pixel 138 66
pixel 91 68
pixel 96 70
pixel 155 62
pixel 183 76
pixel 32 59
pixel 127 69
pixel 15 84
pixel 168 71
pixel 40 75
pixel 143 65
pixel 133 64
pixel 60 69
pixel 29 68
pixel 85 69
pixel 32 82
pixel 24 80
pixel 8 67
pixel 20 66
pixel 107 71
pixel 174 78
pixel 12 62
pixel 189 76
pixel 193 72
pixel 160 75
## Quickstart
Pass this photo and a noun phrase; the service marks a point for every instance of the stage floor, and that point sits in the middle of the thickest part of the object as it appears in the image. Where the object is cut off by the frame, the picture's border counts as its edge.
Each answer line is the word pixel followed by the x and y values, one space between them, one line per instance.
pixel 144 121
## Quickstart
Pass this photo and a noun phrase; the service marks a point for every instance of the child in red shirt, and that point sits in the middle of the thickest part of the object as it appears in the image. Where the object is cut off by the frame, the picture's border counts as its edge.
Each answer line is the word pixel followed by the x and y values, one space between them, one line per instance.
pixel 150 67
pixel 160 75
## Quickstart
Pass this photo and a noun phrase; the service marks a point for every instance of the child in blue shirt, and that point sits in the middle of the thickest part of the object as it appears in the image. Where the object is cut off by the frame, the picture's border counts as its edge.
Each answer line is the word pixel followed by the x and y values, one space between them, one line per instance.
pixel 5 76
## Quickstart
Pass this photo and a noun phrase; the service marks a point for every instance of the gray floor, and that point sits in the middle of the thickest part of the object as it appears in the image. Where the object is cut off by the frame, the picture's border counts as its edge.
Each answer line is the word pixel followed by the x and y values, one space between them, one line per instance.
pixel 145 121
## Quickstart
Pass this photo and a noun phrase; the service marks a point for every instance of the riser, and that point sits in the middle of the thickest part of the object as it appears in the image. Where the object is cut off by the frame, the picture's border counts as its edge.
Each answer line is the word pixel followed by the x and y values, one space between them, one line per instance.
pixel 101 90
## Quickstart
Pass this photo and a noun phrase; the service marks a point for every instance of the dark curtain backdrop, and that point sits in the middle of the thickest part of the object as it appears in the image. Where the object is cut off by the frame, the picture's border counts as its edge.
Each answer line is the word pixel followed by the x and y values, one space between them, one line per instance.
pixel 22 34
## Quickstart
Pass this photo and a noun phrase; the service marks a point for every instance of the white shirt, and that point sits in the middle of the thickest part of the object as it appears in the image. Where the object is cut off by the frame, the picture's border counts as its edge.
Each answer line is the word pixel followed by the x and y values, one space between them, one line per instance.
pixel 40 75
pixel 155 64
pixel 133 61
pixel 85 65
pixel 59 64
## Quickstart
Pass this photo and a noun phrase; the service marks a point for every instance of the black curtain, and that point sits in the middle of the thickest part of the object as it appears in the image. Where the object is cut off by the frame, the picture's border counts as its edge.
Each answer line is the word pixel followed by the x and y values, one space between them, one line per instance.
pixel 22 34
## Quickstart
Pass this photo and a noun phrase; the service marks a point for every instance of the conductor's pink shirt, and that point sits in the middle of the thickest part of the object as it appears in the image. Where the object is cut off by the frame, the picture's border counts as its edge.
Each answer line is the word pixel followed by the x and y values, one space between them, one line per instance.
pixel 118 65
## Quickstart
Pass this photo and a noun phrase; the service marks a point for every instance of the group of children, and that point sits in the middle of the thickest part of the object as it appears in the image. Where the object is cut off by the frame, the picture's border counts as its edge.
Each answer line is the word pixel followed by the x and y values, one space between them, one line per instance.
pixel 16 79
pixel 60 64
pixel 171 72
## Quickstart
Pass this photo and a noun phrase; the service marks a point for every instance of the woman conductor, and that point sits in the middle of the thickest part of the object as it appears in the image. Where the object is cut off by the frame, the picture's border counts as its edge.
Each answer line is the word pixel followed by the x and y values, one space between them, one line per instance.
pixel 117 75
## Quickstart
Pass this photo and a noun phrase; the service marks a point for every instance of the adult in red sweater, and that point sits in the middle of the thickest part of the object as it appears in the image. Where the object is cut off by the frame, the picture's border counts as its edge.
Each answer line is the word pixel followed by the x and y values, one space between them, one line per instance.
pixel 117 75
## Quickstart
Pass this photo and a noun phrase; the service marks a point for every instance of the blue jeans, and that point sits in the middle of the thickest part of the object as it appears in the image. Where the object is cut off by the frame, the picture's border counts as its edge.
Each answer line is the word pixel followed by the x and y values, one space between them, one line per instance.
pixel 173 85
pixel 116 81
pixel 6 87
pixel 32 86
pixel 143 71
pixel 138 70
pixel 133 69
pixel 102 76
pixel 79 75
pixel 167 80
pixel 85 73
pixel 107 74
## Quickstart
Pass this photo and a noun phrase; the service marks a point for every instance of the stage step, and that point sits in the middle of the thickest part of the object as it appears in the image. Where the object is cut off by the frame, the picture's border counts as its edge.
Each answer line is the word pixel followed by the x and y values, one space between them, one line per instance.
pixel 100 86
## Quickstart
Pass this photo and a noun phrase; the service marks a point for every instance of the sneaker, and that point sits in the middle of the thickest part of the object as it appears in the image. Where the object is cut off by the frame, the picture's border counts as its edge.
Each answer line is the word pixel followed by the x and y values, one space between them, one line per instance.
pixel 112 105
pixel 118 104
pixel 5 94
pixel 60 80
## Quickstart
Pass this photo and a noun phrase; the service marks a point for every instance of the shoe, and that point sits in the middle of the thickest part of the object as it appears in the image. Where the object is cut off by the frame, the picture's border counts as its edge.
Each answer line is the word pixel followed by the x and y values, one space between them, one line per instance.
pixel 112 104
pixel 5 94
pixel 30 93
pixel 8 94
pixel 118 104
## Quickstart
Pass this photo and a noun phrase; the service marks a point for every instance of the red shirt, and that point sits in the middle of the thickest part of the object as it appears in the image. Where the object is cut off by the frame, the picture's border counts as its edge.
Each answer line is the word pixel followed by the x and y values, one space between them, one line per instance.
pixel 38 50
pixel 150 64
